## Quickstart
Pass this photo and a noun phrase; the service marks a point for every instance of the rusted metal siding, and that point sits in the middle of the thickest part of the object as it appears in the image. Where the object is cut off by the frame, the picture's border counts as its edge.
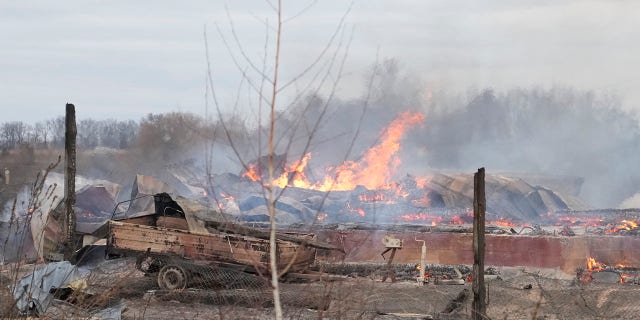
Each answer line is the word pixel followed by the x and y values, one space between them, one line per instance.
pixel 564 253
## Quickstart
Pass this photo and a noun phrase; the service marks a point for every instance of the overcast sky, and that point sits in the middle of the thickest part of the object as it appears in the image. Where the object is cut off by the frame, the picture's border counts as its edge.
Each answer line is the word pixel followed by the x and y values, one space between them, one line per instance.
pixel 124 59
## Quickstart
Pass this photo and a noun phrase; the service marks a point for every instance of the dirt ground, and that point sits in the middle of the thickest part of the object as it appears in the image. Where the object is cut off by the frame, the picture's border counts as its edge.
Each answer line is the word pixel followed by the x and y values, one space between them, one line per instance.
pixel 372 299
pixel 517 294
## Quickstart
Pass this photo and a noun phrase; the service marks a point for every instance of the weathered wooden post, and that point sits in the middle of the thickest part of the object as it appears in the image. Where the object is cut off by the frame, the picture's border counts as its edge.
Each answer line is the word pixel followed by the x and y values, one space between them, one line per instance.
pixel 479 308
pixel 69 182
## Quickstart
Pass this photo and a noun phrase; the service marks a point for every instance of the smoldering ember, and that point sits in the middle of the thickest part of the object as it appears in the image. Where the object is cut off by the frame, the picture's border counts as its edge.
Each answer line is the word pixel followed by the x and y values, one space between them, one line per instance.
pixel 354 239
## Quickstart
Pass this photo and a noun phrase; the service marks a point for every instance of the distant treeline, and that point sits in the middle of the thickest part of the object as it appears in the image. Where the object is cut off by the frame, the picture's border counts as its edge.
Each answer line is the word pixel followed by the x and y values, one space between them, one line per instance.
pixel 50 133
pixel 158 134
pixel 161 128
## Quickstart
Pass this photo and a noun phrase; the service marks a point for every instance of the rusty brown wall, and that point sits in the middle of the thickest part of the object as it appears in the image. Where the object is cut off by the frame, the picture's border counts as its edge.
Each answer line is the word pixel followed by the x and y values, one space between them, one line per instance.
pixel 564 253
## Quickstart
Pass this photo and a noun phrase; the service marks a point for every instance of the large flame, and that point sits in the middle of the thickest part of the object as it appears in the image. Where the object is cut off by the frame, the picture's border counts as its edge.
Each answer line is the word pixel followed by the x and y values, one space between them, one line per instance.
pixel 374 171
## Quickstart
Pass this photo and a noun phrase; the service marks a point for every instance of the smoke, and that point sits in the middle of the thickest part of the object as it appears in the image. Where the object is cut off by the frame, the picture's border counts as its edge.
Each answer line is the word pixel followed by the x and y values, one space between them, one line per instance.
pixel 547 131
pixel 21 210
pixel 556 131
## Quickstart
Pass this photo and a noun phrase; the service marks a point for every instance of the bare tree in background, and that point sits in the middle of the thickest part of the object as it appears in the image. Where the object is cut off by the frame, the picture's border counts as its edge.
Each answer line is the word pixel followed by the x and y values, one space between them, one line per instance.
pixel 265 85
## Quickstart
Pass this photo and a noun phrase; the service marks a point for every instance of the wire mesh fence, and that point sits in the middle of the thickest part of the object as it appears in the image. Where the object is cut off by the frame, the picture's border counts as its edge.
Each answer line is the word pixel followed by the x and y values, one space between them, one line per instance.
pixel 219 292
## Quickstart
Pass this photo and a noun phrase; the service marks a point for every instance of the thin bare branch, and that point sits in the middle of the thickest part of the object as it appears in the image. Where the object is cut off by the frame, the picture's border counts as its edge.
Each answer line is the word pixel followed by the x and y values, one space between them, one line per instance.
pixel 275 9
pixel 356 134
pixel 241 49
pixel 262 84
pixel 322 53
pixel 239 67
pixel 327 71
pixel 217 105
pixel 315 92
pixel 301 12
pixel 265 22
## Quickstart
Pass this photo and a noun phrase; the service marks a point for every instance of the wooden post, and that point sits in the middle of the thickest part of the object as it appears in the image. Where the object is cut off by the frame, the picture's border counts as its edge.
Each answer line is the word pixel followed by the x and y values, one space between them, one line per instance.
pixel 70 182
pixel 479 308
pixel 391 274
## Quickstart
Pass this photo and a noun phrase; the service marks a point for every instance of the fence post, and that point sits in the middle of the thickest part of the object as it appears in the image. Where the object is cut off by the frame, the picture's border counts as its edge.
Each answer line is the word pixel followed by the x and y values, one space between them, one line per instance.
pixel 479 309
pixel 70 181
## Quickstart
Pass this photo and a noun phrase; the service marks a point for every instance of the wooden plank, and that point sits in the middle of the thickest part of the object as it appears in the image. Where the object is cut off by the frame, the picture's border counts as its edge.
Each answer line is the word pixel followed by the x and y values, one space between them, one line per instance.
pixel 172 222
pixel 263 234
pixel 144 220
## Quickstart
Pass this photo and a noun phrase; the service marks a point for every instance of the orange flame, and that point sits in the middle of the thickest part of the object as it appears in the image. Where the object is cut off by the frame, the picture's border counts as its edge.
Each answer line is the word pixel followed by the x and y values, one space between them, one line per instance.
pixel 425 201
pixel 294 174
pixel 593 265
pixel 624 225
pixel 227 197
pixel 456 220
pixel 504 223
pixel 252 173
pixel 379 163
pixel 373 171
pixel 578 221
pixel 422 216
pixel 421 182
pixel 355 210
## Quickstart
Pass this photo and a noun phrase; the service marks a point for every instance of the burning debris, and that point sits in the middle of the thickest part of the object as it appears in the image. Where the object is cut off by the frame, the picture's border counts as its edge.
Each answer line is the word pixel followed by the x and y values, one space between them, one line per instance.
pixel 597 271
pixel 368 190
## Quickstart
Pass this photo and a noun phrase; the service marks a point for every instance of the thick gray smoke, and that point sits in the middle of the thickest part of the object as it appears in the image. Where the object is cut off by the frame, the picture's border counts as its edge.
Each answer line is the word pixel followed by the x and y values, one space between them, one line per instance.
pixel 550 131
pixel 555 131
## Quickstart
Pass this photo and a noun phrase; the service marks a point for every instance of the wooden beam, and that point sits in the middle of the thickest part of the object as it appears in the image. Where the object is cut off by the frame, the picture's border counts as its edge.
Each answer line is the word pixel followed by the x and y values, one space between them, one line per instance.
pixel 479 307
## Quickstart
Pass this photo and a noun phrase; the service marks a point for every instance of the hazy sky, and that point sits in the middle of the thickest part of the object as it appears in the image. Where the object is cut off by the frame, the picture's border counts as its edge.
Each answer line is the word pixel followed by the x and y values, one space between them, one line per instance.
pixel 124 59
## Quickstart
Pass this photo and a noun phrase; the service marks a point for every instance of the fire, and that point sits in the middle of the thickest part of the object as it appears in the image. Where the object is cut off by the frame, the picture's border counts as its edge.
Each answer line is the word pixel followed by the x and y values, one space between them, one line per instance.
pixel 374 170
pixel 624 277
pixel 578 221
pixel 504 223
pixel 624 225
pixel 425 201
pixel 294 174
pixel 401 192
pixel 424 217
pixel 421 182
pixel 355 210
pixel 456 220
pixel 253 172
pixel 376 197
pixel 379 163
pixel 593 265
pixel 227 197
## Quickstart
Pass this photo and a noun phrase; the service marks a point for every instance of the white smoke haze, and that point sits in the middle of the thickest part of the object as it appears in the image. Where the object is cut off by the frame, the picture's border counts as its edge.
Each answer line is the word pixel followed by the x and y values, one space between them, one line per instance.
pixel 553 130
pixel 22 204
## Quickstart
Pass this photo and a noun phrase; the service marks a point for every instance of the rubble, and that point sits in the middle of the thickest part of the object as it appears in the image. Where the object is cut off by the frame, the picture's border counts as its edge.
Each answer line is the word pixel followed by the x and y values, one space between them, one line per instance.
pixel 33 293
